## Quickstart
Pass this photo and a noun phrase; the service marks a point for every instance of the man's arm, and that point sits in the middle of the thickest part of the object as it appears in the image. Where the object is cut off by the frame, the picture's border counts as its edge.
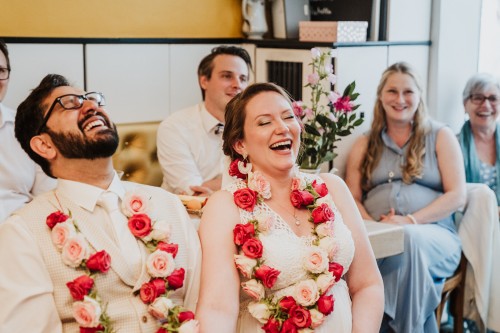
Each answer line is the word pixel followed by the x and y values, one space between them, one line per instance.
pixel 26 289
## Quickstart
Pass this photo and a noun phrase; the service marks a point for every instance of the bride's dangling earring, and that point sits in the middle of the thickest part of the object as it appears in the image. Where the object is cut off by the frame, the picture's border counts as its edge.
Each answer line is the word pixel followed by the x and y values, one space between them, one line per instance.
pixel 244 166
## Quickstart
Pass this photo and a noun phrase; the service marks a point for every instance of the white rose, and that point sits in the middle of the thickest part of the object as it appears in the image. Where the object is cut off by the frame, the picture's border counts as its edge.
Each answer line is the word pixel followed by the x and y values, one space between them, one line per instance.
pixel 325 282
pixel 74 250
pixel 305 330
pixel 315 260
pixel 161 231
pixel 190 326
pixel 329 245
pixel 317 318
pixel 323 229
pixel 259 311
pixel 61 233
pixel 306 292
pixel 136 202
pixel 254 289
pixel 265 221
pixel 160 264
pixel 245 264
pixel 160 307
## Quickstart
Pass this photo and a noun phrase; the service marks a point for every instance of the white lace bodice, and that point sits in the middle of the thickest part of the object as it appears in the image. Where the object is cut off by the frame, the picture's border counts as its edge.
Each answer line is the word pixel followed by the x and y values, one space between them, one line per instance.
pixel 284 250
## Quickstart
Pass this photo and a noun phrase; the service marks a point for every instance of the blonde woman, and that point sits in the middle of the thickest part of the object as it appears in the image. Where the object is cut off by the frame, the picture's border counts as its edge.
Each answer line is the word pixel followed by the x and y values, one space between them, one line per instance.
pixel 408 170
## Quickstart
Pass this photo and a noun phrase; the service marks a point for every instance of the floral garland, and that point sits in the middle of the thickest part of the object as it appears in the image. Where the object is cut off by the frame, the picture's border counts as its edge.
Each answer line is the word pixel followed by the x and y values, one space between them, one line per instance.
pixel 88 310
pixel 307 305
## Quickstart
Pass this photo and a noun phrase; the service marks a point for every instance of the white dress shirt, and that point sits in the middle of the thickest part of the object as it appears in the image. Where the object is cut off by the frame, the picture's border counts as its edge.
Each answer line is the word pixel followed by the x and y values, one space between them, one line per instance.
pixel 189 150
pixel 20 177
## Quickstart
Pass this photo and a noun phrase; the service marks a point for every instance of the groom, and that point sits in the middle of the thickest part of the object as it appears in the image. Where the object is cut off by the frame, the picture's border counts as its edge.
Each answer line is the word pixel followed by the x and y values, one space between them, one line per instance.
pixel 96 253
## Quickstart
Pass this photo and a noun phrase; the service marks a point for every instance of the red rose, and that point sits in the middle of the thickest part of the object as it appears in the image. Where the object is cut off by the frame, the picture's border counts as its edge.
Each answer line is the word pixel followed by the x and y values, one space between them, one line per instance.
pixel 301 198
pixel 234 171
pixel 336 270
pixel 245 198
pixel 176 279
pixel 286 303
pixel 99 261
pixel 80 287
pixel 252 248
pixel 288 327
pixel 242 232
pixel 168 247
pixel 139 225
pixel 151 290
pixel 321 189
pixel 162 330
pixel 300 316
pixel 55 218
pixel 322 213
pixel 325 304
pixel 272 326
pixel 99 328
pixel 185 315
pixel 267 275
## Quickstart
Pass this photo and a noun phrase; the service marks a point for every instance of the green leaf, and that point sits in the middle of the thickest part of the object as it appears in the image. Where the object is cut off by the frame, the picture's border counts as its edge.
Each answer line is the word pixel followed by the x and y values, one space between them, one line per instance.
pixel 358 122
pixel 355 107
pixel 311 130
pixel 354 96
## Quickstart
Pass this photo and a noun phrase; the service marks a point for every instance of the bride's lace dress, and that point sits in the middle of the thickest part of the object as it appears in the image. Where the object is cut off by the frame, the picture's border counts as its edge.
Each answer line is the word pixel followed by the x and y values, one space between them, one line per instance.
pixel 283 250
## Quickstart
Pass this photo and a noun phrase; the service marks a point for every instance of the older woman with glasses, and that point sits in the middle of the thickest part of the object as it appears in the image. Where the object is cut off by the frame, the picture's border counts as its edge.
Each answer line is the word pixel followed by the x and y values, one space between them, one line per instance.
pixel 480 135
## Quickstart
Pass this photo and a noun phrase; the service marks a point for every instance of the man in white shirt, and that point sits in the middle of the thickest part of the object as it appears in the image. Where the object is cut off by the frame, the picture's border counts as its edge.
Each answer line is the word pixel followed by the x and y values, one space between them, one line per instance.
pixel 189 141
pixel 96 253
pixel 20 177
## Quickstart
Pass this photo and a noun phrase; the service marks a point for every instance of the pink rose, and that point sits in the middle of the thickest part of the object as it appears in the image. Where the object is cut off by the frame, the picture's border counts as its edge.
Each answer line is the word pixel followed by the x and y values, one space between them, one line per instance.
pixel 190 326
pixel 286 303
pixel 185 315
pixel 272 326
pixel 301 199
pixel 171 248
pixel 234 171
pixel 252 248
pixel 99 261
pixel 288 326
pixel 322 213
pixel 176 279
pixel 139 225
pixel 135 202
pixel 321 189
pixel 329 245
pixel 300 316
pixel 316 260
pixel 245 198
pixel 243 232
pixel 244 264
pixel 258 183
pixel 74 251
pixel 336 269
pixel 317 318
pixel 325 304
pixel 151 290
pixel 80 287
pixel 55 218
pixel 160 264
pixel 254 289
pixel 87 312
pixel 343 104
pixel 61 232
pixel 160 307
pixel 306 292
pixel 267 275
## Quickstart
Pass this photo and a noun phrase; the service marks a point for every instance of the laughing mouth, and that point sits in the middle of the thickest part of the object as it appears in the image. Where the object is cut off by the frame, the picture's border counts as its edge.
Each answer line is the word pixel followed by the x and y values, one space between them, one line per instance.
pixel 283 145
pixel 94 124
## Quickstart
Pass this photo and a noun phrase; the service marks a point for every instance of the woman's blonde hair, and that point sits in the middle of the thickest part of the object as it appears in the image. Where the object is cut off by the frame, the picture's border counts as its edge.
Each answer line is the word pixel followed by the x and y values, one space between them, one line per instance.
pixel 413 165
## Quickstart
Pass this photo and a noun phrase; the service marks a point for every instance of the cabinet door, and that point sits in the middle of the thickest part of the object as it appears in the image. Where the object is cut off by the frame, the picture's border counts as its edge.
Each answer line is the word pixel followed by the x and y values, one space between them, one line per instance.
pixel 365 66
pixel 133 77
pixel 31 62
pixel 409 20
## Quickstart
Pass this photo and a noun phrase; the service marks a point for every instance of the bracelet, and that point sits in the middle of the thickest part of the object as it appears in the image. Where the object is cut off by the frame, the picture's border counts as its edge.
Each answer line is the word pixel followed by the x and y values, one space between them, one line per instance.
pixel 412 218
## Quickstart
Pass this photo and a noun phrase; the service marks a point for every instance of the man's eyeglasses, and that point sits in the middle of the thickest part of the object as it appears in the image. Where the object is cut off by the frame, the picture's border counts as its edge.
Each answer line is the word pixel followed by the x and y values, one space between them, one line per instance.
pixel 479 99
pixel 4 73
pixel 72 102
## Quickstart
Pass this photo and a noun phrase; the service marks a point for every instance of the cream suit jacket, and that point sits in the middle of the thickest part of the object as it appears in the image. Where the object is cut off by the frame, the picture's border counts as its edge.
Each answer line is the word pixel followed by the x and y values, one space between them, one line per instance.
pixel 33 280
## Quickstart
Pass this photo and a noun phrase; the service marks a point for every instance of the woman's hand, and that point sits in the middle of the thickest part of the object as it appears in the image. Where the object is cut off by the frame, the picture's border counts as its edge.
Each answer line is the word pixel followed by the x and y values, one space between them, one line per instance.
pixel 392 218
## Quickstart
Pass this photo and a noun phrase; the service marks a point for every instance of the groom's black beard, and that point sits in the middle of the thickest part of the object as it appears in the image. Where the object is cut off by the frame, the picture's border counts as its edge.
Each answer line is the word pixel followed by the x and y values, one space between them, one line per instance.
pixel 75 146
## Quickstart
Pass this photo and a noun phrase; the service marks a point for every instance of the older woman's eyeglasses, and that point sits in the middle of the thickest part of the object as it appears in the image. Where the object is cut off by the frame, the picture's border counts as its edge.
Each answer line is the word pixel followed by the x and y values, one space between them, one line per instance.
pixel 4 73
pixel 72 102
pixel 479 99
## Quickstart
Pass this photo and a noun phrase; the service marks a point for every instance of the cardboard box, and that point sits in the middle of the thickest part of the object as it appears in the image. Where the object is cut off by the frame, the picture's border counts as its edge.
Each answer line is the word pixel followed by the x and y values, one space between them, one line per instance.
pixel 333 31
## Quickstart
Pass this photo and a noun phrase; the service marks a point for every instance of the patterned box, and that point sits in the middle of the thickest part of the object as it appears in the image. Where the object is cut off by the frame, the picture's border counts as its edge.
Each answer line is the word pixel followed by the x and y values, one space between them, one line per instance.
pixel 332 31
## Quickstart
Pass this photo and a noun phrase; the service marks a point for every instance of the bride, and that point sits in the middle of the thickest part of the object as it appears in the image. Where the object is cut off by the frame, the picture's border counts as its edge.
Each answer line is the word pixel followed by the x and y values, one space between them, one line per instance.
pixel 283 251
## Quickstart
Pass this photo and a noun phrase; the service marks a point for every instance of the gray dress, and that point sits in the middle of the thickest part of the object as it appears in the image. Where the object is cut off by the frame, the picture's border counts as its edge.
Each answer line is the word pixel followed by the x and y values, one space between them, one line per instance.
pixel 414 279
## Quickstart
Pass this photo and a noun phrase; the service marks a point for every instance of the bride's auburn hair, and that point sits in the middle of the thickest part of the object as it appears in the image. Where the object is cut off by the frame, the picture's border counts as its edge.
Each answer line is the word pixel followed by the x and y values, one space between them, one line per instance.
pixel 413 166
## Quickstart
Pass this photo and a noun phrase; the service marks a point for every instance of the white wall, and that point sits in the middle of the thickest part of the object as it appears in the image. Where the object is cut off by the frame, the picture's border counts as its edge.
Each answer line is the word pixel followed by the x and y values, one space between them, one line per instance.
pixel 489 44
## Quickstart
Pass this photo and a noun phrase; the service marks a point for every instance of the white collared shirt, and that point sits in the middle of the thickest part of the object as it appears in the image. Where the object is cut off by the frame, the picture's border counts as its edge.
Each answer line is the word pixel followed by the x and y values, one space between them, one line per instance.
pixel 20 177
pixel 189 151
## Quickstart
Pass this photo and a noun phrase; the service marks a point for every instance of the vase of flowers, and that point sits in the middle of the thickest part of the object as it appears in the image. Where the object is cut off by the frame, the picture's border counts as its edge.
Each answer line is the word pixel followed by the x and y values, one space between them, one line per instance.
pixel 329 116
